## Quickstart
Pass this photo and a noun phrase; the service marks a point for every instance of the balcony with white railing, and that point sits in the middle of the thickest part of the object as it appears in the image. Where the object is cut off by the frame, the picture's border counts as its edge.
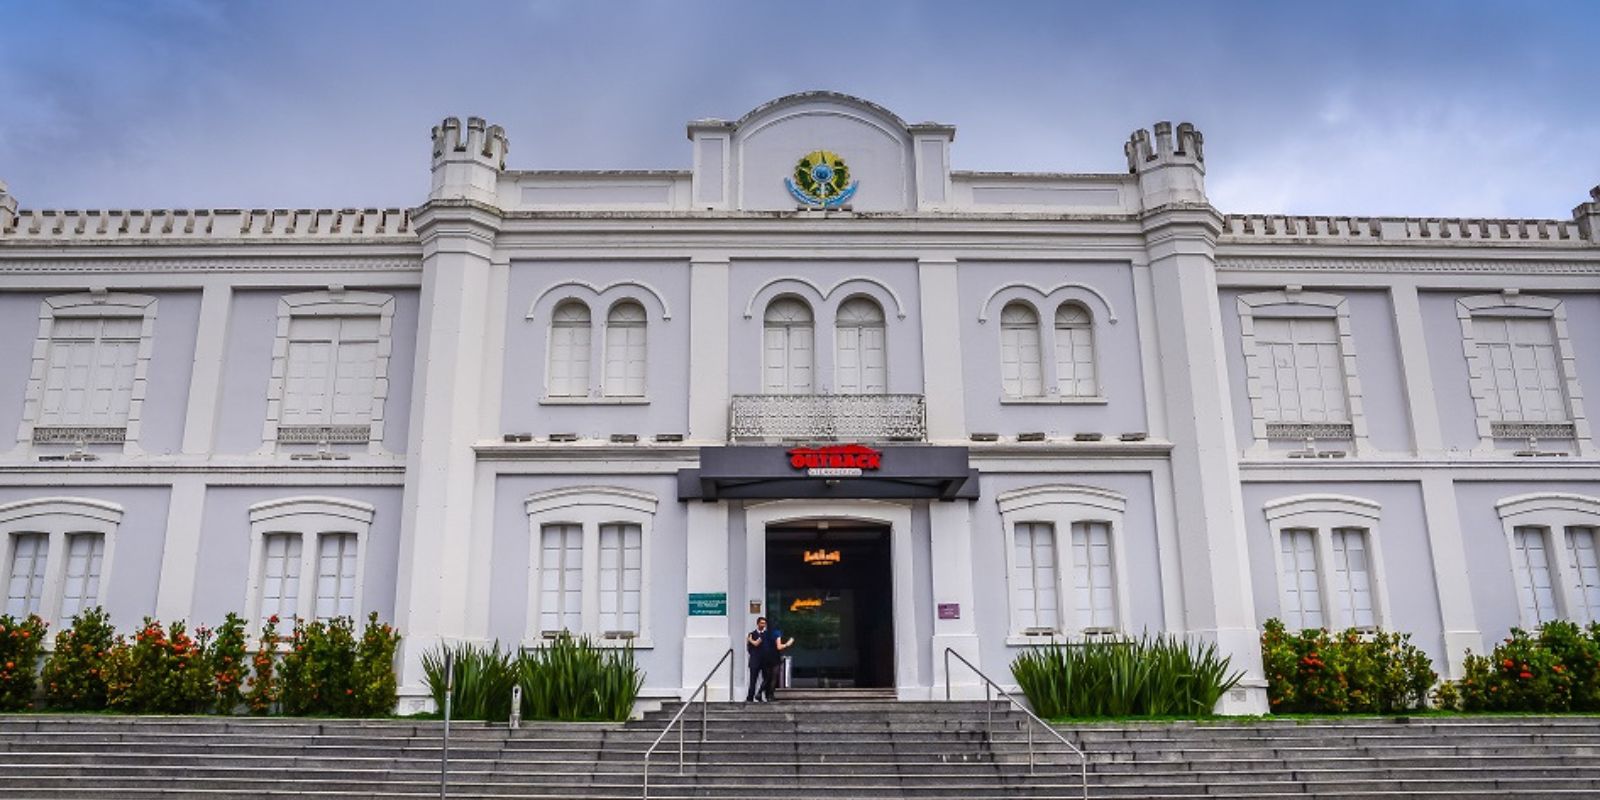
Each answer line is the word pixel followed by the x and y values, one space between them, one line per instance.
pixel 822 417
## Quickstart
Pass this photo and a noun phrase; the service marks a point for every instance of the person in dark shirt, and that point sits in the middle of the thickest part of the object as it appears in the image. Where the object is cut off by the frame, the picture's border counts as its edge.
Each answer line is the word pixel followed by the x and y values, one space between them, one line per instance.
pixel 765 647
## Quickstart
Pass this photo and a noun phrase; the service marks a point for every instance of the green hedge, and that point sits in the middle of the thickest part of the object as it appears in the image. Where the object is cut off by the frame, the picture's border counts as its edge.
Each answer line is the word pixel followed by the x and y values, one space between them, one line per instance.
pixel 1555 669
pixel 1315 671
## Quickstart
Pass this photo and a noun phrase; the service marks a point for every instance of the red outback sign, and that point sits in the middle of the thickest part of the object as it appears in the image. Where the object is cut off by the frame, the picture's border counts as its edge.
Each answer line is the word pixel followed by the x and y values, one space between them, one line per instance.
pixel 840 460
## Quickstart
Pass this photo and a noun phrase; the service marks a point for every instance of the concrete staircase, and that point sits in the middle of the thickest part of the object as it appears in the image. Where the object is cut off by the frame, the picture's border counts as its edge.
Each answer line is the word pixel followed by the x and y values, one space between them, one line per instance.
pixel 838 750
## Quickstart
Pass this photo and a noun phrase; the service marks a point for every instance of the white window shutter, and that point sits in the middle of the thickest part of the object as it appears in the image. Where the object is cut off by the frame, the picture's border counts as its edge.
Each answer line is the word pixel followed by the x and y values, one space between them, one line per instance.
pixel 25 587
pixel 1036 594
pixel 89 371
pixel 1075 367
pixel 620 577
pixel 280 576
pixel 787 345
pixel 81 590
pixel 1586 570
pixel 1301 371
pixel 861 362
pixel 1093 585
pixel 561 578
pixel 1302 602
pixel 625 351
pixel 1021 374
pixel 1353 577
pixel 1532 564
pixel 336 576
pixel 569 351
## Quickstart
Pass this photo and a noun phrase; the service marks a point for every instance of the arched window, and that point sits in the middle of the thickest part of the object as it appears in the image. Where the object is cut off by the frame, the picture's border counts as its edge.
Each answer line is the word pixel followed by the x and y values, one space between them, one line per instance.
pixel 1330 568
pixel 1075 373
pixel 56 555
pixel 569 351
pixel 306 558
pixel 1553 555
pixel 1067 570
pixel 625 350
pixel 786 368
pixel 1020 372
pixel 861 362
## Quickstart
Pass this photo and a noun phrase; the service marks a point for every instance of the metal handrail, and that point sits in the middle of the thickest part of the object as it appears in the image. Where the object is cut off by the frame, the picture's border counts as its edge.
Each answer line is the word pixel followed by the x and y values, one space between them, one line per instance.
pixel 705 717
pixel 990 686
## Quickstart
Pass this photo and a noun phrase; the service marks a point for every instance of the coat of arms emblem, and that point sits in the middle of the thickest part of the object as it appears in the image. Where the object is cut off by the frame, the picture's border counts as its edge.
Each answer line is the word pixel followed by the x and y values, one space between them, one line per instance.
pixel 821 180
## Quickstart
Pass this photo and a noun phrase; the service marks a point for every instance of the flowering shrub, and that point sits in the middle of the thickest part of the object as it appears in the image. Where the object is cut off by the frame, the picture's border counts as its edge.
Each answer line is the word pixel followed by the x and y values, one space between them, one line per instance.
pixel 74 675
pixel 20 643
pixel 319 669
pixel 160 671
pixel 228 666
pixel 376 690
pixel 264 686
pixel 1553 670
pixel 1351 672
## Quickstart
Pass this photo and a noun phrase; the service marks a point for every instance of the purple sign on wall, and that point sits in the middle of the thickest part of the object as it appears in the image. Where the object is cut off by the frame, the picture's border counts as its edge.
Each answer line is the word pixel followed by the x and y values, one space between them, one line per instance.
pixel 949 611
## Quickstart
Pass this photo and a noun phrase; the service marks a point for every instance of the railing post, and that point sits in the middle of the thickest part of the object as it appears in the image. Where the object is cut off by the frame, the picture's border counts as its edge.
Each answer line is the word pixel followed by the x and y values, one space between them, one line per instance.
pixel 516 706
pixel 947 674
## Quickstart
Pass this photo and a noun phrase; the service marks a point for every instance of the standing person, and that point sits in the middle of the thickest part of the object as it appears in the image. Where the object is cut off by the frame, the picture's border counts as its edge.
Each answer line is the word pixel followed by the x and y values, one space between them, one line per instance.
pixel 764 646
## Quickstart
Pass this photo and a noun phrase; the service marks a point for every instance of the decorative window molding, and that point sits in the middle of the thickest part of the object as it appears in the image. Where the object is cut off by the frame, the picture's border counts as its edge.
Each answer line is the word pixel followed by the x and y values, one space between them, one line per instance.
pixel 1266 420
pixel 1564 418
pixel 1329 525
pixel 1560 525
pixel 58 520
pixel 288 539
pixel 819 294
pixel 335 305
pixel 599 513
pixel 41 425
pixel 611 368
pixel 1082 519
pixel 1048 353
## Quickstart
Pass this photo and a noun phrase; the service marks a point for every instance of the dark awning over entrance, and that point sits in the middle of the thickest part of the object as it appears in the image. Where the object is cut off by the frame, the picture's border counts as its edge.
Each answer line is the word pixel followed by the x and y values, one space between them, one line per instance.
pixel 845 472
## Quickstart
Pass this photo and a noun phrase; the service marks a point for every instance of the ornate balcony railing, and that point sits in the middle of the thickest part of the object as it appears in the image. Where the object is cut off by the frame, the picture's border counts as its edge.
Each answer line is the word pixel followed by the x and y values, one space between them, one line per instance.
pixel 844 417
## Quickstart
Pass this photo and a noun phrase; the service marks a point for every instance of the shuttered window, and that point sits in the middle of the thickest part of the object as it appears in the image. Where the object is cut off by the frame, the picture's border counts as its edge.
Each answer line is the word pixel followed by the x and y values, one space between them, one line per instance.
pixel 1518 358
pixel 1531 561
pixel 625 350
pixel 861 362
pixel 25 586
pixel 1075 368
pixel 1301 374
pixel 331 373
pixel 621 552
pixel 787 348
pixel 1352 578
pixel 89 371
pixel 1093 586
pixel 1586 570
pixel 1036 593
pixel 1302 597
pixel 561 578
pixel 1020 372
pixel 280 576
pixel 336 576
pixel 81 588
pixel 569 351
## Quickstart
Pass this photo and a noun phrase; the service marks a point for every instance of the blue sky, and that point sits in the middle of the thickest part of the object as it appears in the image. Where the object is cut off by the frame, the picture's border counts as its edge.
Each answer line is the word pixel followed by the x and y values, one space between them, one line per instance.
pixel 1407 108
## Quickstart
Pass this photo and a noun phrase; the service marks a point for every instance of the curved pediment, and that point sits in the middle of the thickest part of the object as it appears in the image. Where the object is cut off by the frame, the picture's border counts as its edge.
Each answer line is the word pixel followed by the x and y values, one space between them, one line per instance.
pixel 819 149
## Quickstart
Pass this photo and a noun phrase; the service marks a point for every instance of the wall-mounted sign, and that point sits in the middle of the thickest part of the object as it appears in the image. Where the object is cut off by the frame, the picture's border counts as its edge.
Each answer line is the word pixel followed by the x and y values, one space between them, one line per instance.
pixel 805 603
pixel 836 461
pixel 821 180
pixel 708 604
pixel 820 558
pixel 949 611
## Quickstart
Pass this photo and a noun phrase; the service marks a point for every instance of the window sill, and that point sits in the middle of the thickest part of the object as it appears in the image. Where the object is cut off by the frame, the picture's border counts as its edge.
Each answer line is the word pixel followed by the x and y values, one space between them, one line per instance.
pixel 639 643
pixel 1056 400
pixel 594 401
pixel 1068 638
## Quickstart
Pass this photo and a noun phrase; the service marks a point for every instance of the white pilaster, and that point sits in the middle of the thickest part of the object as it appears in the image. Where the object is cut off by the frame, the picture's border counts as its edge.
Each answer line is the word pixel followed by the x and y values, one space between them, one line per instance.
pixel 706 639
pixel 433 589
pixel 950 526
pixel 1155 396
pixel 708 350
pixel 944 392
pixel 1456 614
pixel 1415 371
pixel 1205 471
pixel 205 377
pixel 180 549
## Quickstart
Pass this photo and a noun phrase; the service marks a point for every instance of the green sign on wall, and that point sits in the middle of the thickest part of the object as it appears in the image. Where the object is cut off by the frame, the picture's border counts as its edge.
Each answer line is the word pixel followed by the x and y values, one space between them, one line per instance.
pixel 708 604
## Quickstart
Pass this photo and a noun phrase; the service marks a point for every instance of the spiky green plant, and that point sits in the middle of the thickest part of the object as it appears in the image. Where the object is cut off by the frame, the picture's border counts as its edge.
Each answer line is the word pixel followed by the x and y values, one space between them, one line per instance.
pixel 1149 676
pixel 484 677
pixel 576 679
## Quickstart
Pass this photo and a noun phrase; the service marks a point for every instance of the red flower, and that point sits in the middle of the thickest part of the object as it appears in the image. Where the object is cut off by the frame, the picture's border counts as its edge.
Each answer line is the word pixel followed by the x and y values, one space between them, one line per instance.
pixel 1525 675
pixel 1506 663
pixel 10 665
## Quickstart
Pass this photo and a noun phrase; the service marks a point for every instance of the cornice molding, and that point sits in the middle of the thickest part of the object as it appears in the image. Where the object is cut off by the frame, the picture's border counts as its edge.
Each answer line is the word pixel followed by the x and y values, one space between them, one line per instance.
pixel 1406 265
pixel 84 263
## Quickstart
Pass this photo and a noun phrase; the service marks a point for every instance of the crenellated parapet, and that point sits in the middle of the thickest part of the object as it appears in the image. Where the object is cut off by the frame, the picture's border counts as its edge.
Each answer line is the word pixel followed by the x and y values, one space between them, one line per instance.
pixel 1170 164
pixel 349 224
pixel 1587 217
pixel 468 166
pixel 1554 232
pixel 8 207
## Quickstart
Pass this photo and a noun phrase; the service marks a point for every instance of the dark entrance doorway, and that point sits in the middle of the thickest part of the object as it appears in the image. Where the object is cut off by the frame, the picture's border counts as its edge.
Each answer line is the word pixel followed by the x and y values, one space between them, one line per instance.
pixel 829 586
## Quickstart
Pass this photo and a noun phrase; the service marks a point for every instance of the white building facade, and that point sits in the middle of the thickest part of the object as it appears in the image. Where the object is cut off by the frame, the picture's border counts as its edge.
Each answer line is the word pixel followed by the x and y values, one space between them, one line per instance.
pixel 820 376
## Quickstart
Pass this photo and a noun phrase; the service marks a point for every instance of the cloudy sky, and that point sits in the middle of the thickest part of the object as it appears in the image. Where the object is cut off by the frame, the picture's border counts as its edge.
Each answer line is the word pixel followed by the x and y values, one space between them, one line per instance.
pixel 1407 108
